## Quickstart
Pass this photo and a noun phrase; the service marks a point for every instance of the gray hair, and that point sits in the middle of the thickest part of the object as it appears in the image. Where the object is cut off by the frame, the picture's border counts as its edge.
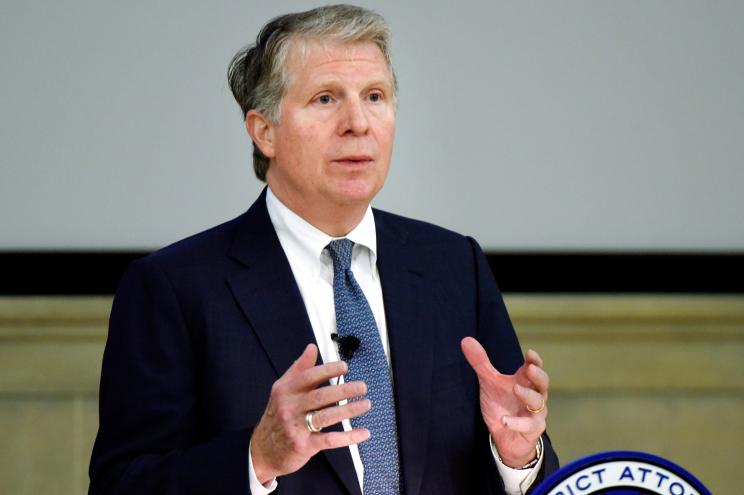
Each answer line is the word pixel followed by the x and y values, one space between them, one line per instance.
pixel 257 73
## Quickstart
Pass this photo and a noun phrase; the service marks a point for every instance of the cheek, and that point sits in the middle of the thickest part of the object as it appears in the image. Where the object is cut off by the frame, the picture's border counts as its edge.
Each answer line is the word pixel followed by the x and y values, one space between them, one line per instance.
pixel 391 132
pixel 311 139
pixel 296 142
pixel 311 132
pixel 386 134
pixel 386 119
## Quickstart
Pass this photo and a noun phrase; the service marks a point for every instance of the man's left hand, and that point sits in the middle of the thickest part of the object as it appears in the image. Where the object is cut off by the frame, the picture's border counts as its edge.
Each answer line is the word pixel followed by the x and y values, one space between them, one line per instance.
pixel 514 407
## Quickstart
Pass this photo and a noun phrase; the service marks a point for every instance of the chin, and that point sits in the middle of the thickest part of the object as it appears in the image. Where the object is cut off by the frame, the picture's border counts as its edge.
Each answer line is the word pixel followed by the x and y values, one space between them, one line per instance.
pixel 356 193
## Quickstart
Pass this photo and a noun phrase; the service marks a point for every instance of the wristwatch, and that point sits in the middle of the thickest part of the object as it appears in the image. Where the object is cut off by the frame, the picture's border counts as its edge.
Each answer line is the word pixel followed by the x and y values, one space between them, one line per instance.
pixel 538 450
pixel 533 462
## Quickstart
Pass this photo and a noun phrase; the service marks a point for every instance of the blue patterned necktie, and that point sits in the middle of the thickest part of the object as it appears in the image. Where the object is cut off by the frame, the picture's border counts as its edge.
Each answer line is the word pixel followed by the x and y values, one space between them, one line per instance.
pixel 354 318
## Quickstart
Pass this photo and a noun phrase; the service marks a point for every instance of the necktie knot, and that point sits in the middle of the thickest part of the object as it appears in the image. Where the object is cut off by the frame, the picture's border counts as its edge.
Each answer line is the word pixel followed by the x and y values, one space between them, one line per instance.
pixel 340 251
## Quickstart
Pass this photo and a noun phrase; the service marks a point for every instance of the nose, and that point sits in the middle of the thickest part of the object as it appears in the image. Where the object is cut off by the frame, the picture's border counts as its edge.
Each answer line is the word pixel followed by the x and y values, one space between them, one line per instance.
pixel 355 120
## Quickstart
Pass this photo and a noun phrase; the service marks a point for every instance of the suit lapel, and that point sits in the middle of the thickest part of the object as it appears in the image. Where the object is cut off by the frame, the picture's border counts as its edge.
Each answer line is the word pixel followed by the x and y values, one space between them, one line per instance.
pixel 407 295
pixel 270 299
pixel 266 290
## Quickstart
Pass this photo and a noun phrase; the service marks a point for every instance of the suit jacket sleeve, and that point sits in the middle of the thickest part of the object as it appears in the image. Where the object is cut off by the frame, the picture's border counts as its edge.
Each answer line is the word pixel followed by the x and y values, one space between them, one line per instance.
pixel 503 347
pixel 149 404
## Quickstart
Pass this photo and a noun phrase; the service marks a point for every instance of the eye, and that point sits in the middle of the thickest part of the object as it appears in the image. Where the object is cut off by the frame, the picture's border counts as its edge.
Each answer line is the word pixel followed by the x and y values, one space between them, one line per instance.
pixel 375 97
pixel 324 99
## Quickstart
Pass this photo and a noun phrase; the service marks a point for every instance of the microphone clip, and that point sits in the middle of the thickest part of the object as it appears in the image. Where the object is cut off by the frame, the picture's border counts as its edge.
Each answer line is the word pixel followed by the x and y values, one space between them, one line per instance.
pixel 347 345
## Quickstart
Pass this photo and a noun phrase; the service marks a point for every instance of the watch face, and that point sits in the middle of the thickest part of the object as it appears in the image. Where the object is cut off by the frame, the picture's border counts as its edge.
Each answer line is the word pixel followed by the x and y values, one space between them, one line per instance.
pixel 621 473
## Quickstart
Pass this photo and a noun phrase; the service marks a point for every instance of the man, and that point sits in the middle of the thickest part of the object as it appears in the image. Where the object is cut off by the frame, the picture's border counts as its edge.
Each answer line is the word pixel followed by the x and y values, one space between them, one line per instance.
pixel 212 380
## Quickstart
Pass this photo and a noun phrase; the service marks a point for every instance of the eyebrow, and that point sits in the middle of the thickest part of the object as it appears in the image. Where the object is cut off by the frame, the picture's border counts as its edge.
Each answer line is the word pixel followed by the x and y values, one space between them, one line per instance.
pixel 332 82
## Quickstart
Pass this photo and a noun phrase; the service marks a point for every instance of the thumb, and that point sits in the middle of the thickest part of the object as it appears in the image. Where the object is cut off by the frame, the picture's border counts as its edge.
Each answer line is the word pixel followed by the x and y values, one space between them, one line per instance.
pixel 477 357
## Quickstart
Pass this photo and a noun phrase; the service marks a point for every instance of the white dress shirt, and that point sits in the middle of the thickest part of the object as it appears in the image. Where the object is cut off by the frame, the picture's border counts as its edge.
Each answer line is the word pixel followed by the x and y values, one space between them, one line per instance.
pixel 312 267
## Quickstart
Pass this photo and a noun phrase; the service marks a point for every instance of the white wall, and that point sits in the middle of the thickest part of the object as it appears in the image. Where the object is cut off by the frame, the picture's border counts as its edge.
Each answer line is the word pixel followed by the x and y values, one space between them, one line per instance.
pixel 531 125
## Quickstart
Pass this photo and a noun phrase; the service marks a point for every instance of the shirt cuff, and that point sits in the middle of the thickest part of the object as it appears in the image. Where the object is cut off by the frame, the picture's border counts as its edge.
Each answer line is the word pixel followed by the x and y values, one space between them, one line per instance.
pixel 517 481
pixel 255 485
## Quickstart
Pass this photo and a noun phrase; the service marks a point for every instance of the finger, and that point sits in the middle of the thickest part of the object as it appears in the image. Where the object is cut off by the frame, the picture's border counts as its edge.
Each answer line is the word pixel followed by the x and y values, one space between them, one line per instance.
pixel 528 426
pixel 539 378
pixel 318 375
pixel 337 439
pixel 531 356
pixel 306 360
pixel 476 356
pixel 332 415
pixel 530 398
pixel 332 394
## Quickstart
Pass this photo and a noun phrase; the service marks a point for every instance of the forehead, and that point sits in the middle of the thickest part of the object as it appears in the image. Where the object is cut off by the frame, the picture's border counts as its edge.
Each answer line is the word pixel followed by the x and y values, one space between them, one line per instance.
pixel 309 58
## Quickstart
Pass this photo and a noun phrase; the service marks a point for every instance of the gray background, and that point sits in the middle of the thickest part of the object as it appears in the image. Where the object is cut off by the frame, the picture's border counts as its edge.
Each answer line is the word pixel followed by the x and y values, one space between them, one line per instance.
pixel 568 125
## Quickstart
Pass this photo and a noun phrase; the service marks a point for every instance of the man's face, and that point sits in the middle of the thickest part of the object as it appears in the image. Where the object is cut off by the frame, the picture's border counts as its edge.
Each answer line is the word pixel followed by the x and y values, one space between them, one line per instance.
pixel 332 146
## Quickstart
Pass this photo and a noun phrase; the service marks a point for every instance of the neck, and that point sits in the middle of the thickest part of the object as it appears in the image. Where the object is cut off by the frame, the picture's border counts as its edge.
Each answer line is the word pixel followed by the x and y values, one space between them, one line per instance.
pixel 332 219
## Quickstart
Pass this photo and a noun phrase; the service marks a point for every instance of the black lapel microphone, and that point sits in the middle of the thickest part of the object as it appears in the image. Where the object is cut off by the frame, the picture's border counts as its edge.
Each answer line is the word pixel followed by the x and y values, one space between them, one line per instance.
pixel 346 345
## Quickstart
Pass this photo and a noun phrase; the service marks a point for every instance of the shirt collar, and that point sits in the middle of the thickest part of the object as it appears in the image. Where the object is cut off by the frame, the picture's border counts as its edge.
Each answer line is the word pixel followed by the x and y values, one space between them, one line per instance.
pixel 305 243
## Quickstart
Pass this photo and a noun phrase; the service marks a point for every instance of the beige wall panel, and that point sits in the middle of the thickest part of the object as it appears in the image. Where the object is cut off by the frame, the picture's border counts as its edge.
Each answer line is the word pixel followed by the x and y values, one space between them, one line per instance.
pixel 642 366
pixel 620 307
pixel 57 367
pixel 635 342
pixel 704 434
pixel 89 414
pixel 662 374
pixel 37 441
pixel 52 345
pixel 55 311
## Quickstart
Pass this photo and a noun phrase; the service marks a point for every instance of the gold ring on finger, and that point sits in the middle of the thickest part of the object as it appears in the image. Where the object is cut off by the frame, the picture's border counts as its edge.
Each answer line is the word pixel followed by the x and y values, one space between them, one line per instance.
pixel 538 410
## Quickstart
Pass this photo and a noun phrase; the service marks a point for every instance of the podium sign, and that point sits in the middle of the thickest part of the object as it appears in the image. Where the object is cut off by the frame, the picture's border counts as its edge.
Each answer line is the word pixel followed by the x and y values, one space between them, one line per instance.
pixel 622 473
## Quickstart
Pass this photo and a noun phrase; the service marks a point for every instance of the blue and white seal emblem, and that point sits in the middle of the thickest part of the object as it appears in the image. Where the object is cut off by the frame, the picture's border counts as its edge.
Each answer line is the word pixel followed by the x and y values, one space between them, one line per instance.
pixel 621 473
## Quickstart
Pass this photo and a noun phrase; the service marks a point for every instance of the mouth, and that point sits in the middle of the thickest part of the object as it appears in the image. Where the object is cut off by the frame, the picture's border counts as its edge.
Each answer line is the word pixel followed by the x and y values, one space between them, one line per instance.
pixel 354 160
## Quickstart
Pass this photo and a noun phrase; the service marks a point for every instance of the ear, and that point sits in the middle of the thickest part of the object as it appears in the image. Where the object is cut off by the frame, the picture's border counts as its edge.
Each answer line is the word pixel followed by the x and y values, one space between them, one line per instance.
pixel 261 132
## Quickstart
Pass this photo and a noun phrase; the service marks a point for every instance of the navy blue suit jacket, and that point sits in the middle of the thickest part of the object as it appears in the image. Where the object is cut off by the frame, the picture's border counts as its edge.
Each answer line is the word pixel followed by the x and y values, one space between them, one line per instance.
pixel 200 330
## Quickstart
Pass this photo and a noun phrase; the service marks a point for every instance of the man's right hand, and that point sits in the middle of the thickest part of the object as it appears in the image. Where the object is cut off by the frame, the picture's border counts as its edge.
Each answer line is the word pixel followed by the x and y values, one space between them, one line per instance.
pixel 281 442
